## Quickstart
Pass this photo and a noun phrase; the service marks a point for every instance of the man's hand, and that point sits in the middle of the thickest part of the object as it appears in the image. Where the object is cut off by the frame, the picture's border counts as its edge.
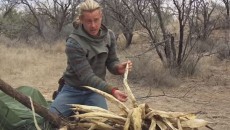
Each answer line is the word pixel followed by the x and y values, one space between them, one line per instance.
pixel 121 67
pixel 121 96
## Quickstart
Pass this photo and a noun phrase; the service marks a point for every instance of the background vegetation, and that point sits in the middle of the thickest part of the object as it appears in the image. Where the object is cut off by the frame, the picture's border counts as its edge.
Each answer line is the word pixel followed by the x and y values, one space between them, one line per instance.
pixel 177 33
pixel 173 36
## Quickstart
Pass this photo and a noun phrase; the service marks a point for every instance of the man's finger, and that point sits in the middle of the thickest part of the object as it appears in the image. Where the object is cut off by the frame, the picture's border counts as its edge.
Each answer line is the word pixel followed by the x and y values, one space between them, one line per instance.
pixel 122 99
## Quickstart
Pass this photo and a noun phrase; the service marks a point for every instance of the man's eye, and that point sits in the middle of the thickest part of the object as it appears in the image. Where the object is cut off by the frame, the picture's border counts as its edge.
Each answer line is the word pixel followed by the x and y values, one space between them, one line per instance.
pixel 96 20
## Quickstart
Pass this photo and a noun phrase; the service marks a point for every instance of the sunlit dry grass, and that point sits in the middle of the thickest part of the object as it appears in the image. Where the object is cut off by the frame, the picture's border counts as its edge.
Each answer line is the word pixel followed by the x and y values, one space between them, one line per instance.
pixel 40 68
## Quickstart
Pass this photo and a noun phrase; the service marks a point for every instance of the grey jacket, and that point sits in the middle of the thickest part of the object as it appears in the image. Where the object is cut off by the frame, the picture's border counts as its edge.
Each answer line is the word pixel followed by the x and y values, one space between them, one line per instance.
pixel 88 57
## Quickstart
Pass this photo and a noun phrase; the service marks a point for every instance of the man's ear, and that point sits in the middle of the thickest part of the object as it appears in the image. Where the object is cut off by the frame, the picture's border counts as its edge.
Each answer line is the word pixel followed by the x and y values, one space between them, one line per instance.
pixel 76 22
pixel 80 18
pixel 102 14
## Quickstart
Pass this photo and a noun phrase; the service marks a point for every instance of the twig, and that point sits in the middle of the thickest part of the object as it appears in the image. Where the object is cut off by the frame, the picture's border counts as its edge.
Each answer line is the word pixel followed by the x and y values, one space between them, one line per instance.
pixel 35 121
pixel 175 97
pixel 153 45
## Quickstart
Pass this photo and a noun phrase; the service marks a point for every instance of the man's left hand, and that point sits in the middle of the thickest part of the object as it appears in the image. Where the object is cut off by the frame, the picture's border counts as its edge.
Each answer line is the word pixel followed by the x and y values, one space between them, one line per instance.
pixel 121 67
pixel 121 96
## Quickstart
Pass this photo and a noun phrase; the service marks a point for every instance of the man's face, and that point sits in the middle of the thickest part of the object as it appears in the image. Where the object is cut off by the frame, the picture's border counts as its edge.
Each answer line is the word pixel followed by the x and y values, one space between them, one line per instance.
pixel 91 21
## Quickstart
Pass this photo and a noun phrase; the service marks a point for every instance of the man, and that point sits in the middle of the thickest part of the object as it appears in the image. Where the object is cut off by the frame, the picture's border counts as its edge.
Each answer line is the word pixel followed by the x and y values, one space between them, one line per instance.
pixel 90 49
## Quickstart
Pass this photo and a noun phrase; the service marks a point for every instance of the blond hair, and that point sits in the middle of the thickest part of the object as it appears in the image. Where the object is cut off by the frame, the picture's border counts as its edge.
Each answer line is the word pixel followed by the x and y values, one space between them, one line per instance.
pixel 88 5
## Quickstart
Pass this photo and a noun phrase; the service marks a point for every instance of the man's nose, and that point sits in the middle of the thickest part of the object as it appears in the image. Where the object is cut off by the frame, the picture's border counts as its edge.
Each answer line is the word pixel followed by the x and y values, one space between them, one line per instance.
pixel 93 24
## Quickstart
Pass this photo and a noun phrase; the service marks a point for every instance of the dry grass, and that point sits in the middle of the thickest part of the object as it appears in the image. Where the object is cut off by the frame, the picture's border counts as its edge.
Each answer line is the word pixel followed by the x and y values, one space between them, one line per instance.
pixel 147 67
pixel 31 66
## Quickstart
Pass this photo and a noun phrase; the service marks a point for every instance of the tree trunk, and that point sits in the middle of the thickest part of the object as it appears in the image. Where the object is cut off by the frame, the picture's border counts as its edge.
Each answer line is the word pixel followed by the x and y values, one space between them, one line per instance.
pixel 173 50
pixel 42 111
pixel 128 37
pixel 181 39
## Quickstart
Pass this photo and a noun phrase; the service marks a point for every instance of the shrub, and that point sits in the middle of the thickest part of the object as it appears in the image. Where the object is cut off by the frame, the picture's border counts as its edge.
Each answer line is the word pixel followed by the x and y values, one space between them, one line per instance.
pixel 223 52
pixel 190 66
pixel 152 73
pixel 204 46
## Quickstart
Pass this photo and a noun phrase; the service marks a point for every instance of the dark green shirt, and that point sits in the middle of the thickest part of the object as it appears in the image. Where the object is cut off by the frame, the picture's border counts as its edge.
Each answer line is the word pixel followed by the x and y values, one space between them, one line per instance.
pixel 88 57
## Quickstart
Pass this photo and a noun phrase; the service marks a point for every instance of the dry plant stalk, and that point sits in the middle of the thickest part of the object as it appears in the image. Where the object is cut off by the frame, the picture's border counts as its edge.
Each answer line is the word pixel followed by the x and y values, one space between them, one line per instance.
pixel 33 112
pixel 136 118
pixel 85 108
pixel 127 88
pixel 110 98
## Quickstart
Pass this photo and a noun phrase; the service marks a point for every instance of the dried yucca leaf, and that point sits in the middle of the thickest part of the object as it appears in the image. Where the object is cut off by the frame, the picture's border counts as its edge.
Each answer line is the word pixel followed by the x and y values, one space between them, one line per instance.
pixel 127 88
pixel 92 118
pixel 86 108
pixel 63 128
pixel 179 124
pixel 100 125
pixel 98 122
pixel 194 123
pixel 136 118
pixel 169 114
pixel 144 107
pixel 161 125
pixel 169 124
pixel 95 124
pixel 128 120
pixel 188 116
pixel 85 124
pixel 153 124
pixel 110 98
pixel 109 116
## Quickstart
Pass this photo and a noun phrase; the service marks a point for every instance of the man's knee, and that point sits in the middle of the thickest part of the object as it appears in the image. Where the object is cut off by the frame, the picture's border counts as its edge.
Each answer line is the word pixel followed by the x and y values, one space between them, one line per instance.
pixel 61 111
pixel 96 100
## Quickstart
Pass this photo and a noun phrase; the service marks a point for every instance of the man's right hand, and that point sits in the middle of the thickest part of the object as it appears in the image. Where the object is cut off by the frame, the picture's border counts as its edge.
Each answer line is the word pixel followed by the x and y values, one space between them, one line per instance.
pixel 121 96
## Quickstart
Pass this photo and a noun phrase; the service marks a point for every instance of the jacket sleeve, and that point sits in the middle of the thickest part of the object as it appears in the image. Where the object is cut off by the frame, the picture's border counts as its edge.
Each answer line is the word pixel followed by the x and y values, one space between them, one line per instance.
pixel 76 57
pixel 112 60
